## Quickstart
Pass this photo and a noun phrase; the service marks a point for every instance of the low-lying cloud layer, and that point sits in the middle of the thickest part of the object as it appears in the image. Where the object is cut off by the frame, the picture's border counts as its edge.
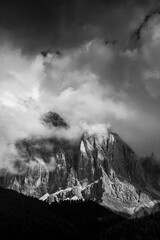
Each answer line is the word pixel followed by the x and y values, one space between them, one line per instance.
pixel 95 83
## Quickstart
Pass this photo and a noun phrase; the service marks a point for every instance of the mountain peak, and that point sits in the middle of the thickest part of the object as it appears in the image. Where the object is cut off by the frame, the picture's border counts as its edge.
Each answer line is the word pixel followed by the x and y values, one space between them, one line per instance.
pixel 99 166
pixel 53 119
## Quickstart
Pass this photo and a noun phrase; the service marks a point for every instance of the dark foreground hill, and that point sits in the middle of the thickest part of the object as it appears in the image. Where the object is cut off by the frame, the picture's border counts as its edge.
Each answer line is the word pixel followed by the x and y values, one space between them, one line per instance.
pixel 23 217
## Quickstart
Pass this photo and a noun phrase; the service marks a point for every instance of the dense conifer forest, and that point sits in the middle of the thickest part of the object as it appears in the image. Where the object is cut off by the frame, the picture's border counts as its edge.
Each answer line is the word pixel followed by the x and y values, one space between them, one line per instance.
pixel 23 217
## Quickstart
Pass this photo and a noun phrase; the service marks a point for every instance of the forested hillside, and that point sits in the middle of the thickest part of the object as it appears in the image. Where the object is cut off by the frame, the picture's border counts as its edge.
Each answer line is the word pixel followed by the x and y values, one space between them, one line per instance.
pixel 24 217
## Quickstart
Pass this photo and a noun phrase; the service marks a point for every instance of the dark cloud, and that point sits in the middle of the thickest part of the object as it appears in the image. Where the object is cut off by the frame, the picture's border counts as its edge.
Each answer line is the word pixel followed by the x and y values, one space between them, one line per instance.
pixel 35 25
pixel 137 33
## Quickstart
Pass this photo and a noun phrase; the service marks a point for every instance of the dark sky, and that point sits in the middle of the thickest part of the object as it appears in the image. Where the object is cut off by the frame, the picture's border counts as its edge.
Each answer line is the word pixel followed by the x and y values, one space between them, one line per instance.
pixel 35 25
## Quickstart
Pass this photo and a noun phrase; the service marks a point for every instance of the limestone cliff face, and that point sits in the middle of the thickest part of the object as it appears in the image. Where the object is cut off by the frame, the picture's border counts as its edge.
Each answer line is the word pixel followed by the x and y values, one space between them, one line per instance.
pixel 100 167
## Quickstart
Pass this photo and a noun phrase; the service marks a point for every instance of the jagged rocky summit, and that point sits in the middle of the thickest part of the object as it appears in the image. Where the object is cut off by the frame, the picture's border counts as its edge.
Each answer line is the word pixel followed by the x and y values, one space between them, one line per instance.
pixel 100 167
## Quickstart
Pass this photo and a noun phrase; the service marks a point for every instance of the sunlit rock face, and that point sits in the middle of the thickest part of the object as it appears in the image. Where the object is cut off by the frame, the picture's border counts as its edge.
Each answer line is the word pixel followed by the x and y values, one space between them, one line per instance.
pixel 100 167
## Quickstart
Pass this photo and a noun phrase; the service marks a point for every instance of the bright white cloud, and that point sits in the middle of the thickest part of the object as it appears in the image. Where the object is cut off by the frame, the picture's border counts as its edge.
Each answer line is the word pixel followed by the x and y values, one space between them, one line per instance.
pixel 93 84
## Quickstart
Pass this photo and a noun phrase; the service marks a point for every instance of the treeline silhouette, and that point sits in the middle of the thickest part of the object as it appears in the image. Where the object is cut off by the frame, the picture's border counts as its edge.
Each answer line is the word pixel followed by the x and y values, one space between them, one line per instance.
pixel 23 217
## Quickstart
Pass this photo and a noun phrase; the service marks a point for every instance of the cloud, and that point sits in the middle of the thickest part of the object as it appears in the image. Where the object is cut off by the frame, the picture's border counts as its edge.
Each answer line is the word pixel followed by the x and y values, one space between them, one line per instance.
pixel 65 84
pixel 37 25
pixel 93 84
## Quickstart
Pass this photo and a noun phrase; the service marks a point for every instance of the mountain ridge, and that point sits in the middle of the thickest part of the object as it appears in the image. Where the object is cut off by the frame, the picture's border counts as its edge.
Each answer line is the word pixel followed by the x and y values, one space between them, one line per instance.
pixel 99 167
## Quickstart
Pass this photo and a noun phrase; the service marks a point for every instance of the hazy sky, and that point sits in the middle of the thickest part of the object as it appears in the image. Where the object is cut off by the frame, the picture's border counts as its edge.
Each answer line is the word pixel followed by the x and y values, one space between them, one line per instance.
pixel 108 70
